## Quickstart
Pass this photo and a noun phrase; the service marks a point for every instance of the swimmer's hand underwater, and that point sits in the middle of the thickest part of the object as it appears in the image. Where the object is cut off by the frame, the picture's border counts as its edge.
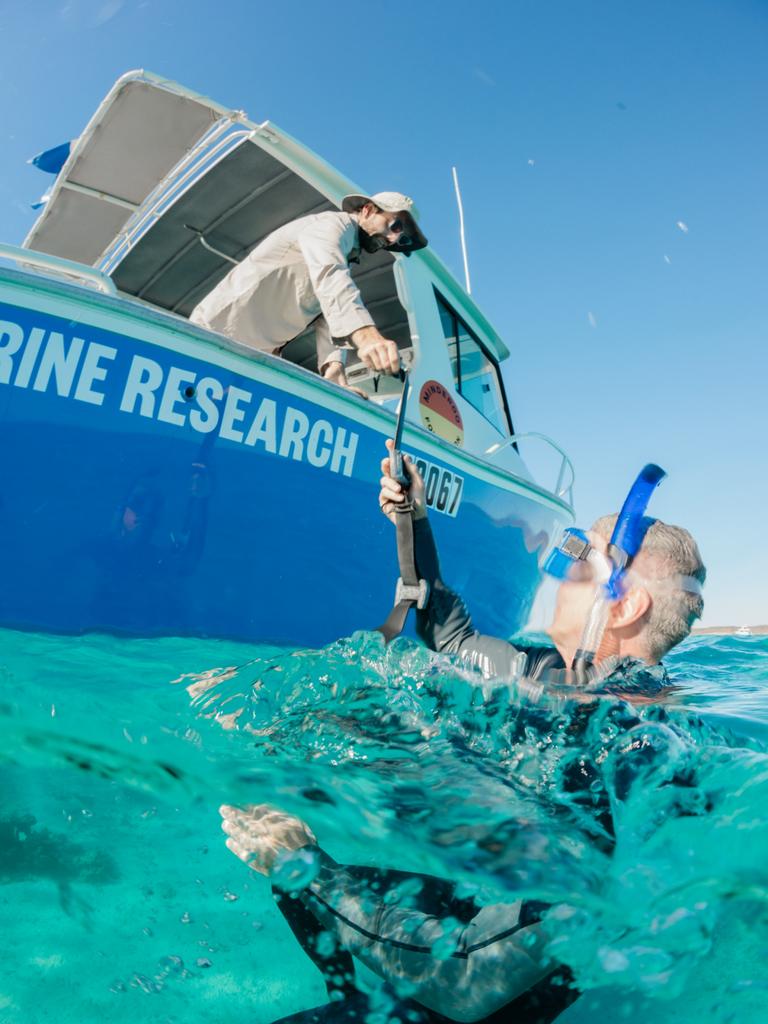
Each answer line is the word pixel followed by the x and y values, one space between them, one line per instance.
pixel 258 834
pixel 392 493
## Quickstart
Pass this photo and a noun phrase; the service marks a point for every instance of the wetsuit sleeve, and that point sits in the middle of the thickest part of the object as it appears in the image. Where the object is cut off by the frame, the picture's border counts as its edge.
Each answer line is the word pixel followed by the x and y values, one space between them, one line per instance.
pixel 464 970
pixel 445 624
pixel 325 244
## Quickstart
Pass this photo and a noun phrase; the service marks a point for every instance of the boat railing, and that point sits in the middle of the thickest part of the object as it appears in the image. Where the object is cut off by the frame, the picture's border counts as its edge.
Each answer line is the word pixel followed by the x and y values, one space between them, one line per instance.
pixel 30 258
pixel 217 143
pixel 566 474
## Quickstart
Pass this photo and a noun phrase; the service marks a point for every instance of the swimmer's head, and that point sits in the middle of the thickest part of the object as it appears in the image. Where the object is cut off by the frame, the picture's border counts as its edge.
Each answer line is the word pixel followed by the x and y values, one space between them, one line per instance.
pixel 661 598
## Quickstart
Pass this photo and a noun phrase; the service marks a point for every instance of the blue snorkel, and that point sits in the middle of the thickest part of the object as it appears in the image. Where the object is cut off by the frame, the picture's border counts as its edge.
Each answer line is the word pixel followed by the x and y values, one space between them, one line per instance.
pixel 626 539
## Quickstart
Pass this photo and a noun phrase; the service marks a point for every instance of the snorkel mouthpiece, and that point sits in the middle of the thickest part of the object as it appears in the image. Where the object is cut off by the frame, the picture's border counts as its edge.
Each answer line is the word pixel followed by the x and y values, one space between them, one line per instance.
pixel 626 540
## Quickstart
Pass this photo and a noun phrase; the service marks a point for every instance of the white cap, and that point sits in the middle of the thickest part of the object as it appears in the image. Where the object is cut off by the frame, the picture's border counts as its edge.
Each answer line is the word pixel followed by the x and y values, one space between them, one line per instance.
pixel 392 202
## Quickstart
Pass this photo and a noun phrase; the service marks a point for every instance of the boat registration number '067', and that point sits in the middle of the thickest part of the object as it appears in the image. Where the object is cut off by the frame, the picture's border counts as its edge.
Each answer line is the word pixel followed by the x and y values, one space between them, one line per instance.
pixel 443 488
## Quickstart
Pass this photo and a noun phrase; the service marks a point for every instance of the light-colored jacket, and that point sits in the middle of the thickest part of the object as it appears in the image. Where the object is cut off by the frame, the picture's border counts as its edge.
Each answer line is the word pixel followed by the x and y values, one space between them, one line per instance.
pixel 297 273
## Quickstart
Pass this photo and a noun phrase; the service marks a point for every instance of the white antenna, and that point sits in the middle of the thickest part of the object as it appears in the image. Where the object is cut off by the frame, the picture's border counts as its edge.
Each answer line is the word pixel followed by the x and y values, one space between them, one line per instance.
pixel 461 230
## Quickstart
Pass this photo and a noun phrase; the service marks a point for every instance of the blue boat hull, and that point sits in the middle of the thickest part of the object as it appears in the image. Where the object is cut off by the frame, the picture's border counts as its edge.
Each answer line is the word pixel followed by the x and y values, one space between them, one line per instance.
pixel 153 483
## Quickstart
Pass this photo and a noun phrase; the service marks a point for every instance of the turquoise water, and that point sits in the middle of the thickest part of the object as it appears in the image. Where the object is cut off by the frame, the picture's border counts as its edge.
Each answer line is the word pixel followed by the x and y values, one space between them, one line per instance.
pixel 120 902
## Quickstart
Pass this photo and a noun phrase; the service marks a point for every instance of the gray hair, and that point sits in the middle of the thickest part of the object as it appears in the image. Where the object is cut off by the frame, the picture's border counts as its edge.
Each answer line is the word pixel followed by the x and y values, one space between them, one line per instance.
pixel 667 551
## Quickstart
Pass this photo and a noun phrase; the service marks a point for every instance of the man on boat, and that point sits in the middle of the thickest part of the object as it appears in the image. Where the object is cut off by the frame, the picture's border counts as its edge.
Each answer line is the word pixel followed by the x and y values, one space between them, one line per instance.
pixel 300 275
pixel 498 968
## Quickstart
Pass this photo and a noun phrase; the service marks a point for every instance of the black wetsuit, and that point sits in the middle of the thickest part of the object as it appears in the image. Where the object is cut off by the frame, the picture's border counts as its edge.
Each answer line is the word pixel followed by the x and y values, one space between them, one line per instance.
pixel 346 909
pixel 491 973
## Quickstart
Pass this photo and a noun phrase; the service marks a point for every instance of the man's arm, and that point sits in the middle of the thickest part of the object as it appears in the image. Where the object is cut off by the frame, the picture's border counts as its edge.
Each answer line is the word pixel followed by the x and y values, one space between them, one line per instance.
pixel 325 246
pixel 331 360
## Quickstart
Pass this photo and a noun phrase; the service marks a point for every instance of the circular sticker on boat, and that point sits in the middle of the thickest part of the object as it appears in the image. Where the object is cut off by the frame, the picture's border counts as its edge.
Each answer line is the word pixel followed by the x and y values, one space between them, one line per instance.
pixel 439 412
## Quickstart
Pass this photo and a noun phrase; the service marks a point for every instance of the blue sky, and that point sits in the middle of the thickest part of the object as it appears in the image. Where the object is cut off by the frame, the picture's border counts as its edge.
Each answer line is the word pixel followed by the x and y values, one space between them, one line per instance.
pixel 585 134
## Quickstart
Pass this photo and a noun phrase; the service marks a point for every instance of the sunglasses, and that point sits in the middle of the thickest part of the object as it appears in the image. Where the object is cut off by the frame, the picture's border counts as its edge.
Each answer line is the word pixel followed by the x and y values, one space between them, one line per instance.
pixel 398 225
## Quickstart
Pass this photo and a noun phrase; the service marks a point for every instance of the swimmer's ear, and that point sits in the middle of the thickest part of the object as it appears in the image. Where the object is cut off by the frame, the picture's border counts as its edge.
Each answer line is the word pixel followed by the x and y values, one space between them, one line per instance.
pixel 633 607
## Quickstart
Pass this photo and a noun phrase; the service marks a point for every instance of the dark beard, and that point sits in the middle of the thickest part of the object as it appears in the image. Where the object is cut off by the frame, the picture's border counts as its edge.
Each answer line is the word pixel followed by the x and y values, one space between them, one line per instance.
pixel 371 243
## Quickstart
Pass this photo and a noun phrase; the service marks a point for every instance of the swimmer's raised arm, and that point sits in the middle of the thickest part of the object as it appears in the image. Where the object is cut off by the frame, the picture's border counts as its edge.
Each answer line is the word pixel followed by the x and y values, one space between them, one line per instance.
pixel 445 624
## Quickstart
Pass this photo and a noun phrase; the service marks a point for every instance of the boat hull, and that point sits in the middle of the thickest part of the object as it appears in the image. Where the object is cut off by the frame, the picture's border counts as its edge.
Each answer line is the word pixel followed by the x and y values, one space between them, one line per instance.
pixel 154 482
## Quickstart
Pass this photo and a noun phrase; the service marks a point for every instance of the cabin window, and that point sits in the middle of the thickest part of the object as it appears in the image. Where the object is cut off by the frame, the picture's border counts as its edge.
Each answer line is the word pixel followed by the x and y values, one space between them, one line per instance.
pixel 475 372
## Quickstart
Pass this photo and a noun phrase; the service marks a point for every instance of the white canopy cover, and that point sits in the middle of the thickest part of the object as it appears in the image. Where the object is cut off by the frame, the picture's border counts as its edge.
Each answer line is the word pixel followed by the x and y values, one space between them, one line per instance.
pixel 138 134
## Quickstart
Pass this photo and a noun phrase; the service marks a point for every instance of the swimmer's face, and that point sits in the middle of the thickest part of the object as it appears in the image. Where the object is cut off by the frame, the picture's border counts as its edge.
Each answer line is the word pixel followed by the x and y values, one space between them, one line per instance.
pixel 575 597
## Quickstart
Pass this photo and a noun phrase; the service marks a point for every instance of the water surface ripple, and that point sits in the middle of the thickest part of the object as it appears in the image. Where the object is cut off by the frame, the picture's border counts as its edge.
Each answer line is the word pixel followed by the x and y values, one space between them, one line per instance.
pixel 644 827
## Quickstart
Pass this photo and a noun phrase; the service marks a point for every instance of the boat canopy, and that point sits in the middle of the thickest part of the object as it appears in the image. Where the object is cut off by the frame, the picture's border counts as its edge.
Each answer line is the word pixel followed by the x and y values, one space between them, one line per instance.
pixel 166 190
pixel 138 134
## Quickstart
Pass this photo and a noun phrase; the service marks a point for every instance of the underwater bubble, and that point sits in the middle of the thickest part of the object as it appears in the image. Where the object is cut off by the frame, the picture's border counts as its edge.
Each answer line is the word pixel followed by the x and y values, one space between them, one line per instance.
pixel 402 894
pixel 294 870
pixel 325 944
pixel 381 1005
pixel 464 890
pixel 612 960
pixel 444 947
